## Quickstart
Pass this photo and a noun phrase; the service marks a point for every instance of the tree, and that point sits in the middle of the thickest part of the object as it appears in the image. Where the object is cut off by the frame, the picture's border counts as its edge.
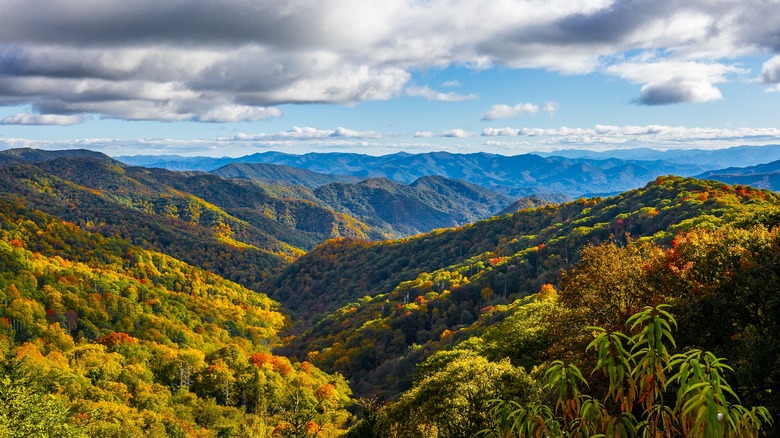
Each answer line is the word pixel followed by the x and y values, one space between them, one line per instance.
pixel 453 396
pixel 27 410
pixel 649 392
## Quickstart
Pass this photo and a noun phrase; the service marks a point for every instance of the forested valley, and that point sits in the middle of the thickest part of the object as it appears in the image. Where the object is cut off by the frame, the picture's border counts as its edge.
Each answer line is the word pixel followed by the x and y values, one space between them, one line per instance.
pixel 148 302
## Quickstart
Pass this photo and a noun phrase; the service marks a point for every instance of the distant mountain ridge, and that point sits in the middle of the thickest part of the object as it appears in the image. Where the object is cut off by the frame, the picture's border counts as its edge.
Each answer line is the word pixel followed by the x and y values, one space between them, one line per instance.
pixel 515 176
pixel 281 174
pixel 765 176
pixel 737 156
pixel 428 203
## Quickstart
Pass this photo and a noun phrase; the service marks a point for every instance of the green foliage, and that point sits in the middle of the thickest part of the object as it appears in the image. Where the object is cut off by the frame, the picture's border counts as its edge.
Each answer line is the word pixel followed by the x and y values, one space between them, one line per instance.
pixel 640 375
pixel 27 409
pixel 454 400
pixel 389 305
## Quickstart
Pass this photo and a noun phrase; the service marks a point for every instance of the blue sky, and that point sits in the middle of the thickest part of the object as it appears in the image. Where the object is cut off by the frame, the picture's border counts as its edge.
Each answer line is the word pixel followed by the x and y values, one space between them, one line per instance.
pixel 233 77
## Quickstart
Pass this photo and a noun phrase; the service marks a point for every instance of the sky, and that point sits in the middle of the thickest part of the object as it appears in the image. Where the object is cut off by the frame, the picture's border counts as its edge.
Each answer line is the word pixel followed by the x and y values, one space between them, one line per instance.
pixel 235 77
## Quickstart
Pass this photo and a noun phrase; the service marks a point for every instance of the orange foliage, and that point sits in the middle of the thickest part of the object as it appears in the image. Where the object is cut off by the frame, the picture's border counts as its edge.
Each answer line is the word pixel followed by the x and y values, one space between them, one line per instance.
pixel 547 291
pixel 312 428
pixel 260 358
pixel 326 392
pixel 116 338
pixel 281 365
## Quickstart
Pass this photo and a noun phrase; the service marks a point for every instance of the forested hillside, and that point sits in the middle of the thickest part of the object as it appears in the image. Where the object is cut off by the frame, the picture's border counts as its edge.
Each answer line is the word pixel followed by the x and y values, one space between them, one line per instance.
pixel 405 300
pixel 515 252
pixel 235 228
pixel 403 210
pixel 132 342
pixel 393 208
pixel 718 346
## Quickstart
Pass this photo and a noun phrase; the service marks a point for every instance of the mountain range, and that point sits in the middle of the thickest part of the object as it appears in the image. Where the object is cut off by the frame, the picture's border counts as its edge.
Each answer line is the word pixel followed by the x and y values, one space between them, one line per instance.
pixel 151 302
pixel 737 156
pixel 515 176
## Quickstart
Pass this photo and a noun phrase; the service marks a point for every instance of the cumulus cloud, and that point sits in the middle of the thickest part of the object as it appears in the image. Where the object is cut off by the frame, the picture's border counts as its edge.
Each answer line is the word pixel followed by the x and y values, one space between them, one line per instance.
pixel 678 91
pixel 41 119
pixel 430 94
pixel 503 111
pixel 457 133
pixel 423 134
pixel 153 60
pixel 682 82
pixel 450 84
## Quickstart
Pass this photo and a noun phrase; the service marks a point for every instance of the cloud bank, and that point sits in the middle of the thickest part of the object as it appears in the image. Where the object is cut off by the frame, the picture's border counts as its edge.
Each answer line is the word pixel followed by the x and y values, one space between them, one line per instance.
pixel 232 60
pixel 499 140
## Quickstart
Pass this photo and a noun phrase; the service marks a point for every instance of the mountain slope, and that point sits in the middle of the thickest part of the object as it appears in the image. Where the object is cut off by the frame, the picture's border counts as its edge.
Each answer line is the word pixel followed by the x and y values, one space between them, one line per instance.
pixel 280 174
pixel 234 227
pixel 468 202
pixel 31 156
pixel 132 342
pixel 534 201
pixel 421 290
pixel 396 209
pixel 428 203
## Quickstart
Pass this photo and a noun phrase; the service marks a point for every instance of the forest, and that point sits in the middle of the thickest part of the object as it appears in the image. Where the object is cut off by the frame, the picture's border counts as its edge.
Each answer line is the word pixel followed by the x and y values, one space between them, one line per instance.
pixel 155 303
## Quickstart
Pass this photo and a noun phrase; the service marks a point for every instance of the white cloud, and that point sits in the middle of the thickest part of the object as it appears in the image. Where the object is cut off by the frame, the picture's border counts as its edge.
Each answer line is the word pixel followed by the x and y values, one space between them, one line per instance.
pixel 551 107
pixel 503 111
pixel 238 113
pixel 678 91
pixel 423 134
pixel 430 94
pixel 41 119
pixel 668 82
pixel 500 132
pixel 640 135
pixel 457 133
pixel 451 84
